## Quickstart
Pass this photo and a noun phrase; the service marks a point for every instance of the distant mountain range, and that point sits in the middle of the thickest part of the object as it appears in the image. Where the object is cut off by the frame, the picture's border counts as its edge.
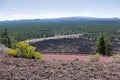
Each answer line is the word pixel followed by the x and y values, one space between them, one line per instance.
pixel 69 19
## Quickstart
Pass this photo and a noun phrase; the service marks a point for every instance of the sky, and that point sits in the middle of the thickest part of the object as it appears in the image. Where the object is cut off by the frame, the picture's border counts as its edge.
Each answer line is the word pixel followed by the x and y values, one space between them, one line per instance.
pixel 40 9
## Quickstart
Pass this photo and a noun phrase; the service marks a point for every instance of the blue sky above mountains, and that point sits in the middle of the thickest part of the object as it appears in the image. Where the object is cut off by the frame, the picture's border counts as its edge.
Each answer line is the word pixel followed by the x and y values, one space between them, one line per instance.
pixel 31 9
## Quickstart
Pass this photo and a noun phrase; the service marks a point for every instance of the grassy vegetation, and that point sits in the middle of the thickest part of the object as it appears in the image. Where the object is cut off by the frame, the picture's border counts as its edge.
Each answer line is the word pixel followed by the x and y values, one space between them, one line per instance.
pixel 115 57
pixel 95 57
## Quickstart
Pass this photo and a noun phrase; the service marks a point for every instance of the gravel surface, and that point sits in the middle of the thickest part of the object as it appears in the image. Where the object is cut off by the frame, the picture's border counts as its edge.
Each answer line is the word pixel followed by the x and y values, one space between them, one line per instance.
pixel 72 57
pixel 30 69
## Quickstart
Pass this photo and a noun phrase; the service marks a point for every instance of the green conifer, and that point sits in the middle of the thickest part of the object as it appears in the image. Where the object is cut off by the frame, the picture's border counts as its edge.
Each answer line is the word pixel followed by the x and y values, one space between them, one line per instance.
pixel 104 46
pixel 7 38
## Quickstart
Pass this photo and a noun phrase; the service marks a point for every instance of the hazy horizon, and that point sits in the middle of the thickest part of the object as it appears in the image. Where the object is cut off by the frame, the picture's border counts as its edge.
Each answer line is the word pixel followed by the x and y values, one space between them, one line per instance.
pixel 47 9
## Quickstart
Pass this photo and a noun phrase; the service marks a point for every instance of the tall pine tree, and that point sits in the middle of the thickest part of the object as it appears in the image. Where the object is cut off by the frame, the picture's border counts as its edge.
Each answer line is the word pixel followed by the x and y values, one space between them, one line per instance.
pixel 104 46
pixel 7 38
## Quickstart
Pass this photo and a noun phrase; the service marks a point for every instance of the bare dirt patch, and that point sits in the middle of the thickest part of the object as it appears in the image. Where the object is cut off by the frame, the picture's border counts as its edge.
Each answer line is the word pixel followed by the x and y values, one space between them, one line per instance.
pixel 72 57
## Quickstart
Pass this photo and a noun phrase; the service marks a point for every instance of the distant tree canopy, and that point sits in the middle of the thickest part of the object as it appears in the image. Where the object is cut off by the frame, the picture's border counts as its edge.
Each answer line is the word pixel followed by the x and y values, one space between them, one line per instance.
pixel 28 29
pixel 104 46
pixel 7 39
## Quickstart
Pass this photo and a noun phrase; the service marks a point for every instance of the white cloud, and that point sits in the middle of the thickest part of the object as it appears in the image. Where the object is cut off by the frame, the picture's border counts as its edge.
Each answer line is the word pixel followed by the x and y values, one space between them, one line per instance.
pixel 58 15
pixel 14 8
pixel 18 16
pixel 85 13
pixel 1 13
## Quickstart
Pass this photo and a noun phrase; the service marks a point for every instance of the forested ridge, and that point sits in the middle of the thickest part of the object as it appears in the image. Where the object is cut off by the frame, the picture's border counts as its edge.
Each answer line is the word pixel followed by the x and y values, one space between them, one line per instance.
pixel 37 28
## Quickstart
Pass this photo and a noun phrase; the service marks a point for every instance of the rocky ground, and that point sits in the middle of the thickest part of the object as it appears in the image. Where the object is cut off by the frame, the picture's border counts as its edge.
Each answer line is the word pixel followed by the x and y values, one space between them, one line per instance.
pixel 30 69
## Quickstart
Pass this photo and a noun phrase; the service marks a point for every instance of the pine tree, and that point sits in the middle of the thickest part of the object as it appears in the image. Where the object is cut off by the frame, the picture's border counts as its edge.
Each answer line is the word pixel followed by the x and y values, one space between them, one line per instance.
pixel 101 48
pixel 108 48
pixel 104 46
pixel 7 38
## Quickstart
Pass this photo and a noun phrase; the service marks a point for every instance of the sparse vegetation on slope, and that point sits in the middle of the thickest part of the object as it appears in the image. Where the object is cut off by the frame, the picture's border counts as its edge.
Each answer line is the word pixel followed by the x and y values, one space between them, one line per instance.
pixel 115 57
pixel 95 57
